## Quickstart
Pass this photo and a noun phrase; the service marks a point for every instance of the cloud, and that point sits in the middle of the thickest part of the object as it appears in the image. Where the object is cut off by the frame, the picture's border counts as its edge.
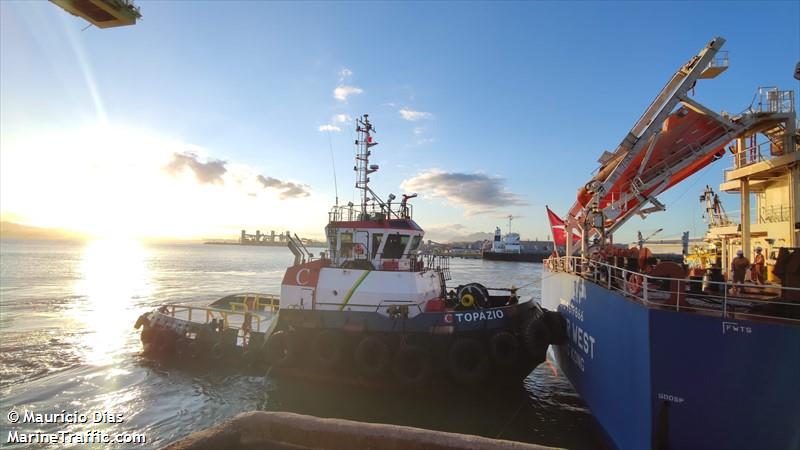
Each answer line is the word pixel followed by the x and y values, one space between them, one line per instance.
pixel 287 188
pixel 342 92
pixel 454 232
pixel 419 130
pixel 342 118
pixel 209 172
pixel 345 73
pixel 477 193
pixel 413 116
pixel 329 127
pixel 212 171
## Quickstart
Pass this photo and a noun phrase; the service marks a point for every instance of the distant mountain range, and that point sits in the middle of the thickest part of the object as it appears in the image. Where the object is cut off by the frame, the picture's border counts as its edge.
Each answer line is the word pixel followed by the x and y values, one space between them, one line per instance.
pixel 13 230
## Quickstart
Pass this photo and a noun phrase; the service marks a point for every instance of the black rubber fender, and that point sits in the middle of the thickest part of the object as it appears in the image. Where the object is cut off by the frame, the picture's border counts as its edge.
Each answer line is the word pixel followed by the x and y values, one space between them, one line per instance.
pixel 251 359
pixel 218 352
pixel 468 361
pixel 504 349
pixel 411 366
pixel 142 320
pixel 535 334
pixel 281 349
pixel 193 349
pixel 182 347
pixel 372 356
pixel 327 347
pixel 147 334
pixel 556 327
pixel 164 343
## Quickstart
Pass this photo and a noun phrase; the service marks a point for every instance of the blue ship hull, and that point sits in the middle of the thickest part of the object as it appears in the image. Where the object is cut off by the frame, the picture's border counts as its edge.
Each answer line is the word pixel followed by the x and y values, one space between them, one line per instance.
pixel 659 378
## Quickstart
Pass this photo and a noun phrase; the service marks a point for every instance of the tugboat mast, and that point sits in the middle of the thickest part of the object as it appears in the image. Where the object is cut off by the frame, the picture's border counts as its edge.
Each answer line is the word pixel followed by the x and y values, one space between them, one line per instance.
pixel 363 168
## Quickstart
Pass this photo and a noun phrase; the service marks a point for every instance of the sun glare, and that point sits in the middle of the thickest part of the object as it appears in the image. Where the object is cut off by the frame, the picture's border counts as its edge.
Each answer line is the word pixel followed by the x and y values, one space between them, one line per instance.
pixel 113 273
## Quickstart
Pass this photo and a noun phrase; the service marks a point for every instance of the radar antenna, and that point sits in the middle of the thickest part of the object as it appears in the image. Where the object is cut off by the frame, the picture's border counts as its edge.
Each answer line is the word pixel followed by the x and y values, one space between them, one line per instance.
pixel 362 167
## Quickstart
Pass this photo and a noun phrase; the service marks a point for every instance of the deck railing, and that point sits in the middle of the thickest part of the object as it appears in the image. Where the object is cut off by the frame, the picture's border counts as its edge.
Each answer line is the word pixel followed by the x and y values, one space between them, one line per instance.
pixel 205 314
pixel 708 297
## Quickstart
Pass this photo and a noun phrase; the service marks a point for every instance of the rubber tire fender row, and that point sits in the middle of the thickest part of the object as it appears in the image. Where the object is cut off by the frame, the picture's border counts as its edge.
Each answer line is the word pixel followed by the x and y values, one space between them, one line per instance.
pixel 327 347
pixel 468 361
pixel 411 366
pixel 372 356
pixel 504 349
pixel 281 349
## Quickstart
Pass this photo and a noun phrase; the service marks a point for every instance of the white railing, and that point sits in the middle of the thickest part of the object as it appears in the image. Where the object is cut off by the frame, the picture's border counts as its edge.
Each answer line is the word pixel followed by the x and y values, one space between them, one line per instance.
pixel 712 297
pixel 772 100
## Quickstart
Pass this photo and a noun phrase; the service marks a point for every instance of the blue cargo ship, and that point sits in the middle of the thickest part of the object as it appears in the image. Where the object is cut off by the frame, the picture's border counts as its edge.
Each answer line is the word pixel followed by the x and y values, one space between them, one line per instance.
pixel 688 356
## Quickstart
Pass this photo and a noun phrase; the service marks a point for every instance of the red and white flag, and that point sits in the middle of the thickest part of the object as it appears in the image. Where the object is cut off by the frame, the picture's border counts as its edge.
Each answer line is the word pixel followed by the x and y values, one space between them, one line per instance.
pixel 557 226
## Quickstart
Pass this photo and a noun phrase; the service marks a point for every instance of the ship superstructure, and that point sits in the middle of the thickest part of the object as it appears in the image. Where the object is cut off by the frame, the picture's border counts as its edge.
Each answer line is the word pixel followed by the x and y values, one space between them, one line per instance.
pixel 668 361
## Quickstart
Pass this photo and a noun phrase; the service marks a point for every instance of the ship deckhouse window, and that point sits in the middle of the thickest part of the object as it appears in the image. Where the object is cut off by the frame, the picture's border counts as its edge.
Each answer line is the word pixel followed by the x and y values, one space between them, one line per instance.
pixel 395 246
pixel 346 243
pixel 415 243
pixel 376 243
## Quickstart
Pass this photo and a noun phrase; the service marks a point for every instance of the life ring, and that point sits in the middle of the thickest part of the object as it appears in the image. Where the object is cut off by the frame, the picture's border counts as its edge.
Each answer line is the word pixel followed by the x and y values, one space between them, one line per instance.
pixel 358 249
pixel 281 349
pixel 326 348
pixel 468 361
pixel 372 356
pixel 411 366
pixel 634 285
pixel 535 335
pixel 504 349
pixel 556 327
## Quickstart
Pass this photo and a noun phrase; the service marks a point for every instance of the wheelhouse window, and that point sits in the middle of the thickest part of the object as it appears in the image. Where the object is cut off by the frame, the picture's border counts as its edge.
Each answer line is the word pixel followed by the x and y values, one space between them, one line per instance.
pixel 346 242
pixel 376 243
pixel 415 243
pixel 395 246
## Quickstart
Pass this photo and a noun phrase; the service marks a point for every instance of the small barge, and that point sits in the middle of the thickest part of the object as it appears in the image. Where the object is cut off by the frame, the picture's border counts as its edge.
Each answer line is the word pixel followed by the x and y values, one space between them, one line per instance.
pixel 370 307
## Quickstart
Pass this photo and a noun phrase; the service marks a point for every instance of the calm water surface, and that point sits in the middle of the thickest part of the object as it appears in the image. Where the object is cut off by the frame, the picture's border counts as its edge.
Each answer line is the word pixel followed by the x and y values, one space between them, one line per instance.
pixel 67 343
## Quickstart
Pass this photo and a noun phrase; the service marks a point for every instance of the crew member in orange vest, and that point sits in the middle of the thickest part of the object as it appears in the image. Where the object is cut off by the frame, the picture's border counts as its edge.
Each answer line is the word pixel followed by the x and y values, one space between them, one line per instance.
pixel 739 267
pixel 757 272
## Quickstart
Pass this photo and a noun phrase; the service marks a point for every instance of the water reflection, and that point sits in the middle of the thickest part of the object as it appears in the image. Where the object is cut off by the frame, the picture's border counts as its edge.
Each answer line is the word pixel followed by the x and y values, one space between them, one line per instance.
pixel 111 276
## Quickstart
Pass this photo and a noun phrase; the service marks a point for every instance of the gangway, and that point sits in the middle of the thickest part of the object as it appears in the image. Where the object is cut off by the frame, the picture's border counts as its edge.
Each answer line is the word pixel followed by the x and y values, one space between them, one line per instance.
pixel 674 138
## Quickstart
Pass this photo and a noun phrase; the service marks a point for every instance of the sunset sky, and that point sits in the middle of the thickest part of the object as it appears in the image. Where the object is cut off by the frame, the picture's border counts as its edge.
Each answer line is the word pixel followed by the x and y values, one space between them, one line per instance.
pixel 209 117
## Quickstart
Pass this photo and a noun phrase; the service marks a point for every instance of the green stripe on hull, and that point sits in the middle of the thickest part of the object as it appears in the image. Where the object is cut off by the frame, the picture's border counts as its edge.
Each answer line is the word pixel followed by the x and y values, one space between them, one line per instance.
pixel 353 289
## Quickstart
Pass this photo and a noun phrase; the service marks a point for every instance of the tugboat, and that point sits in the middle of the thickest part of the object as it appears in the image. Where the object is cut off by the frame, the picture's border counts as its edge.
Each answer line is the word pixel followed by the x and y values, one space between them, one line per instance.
pixel 370 308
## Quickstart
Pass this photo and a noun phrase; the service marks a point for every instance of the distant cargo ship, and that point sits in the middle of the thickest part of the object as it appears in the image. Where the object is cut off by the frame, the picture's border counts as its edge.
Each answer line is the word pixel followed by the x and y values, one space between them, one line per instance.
pixel 263 240
pixel 511 248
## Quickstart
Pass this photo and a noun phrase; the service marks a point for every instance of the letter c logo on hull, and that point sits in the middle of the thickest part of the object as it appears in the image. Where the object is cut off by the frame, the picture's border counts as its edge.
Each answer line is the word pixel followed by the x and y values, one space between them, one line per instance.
pixel 300 276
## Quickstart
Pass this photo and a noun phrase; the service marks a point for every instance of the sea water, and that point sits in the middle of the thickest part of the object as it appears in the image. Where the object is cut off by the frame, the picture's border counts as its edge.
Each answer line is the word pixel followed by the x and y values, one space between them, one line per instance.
pixel 68 349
